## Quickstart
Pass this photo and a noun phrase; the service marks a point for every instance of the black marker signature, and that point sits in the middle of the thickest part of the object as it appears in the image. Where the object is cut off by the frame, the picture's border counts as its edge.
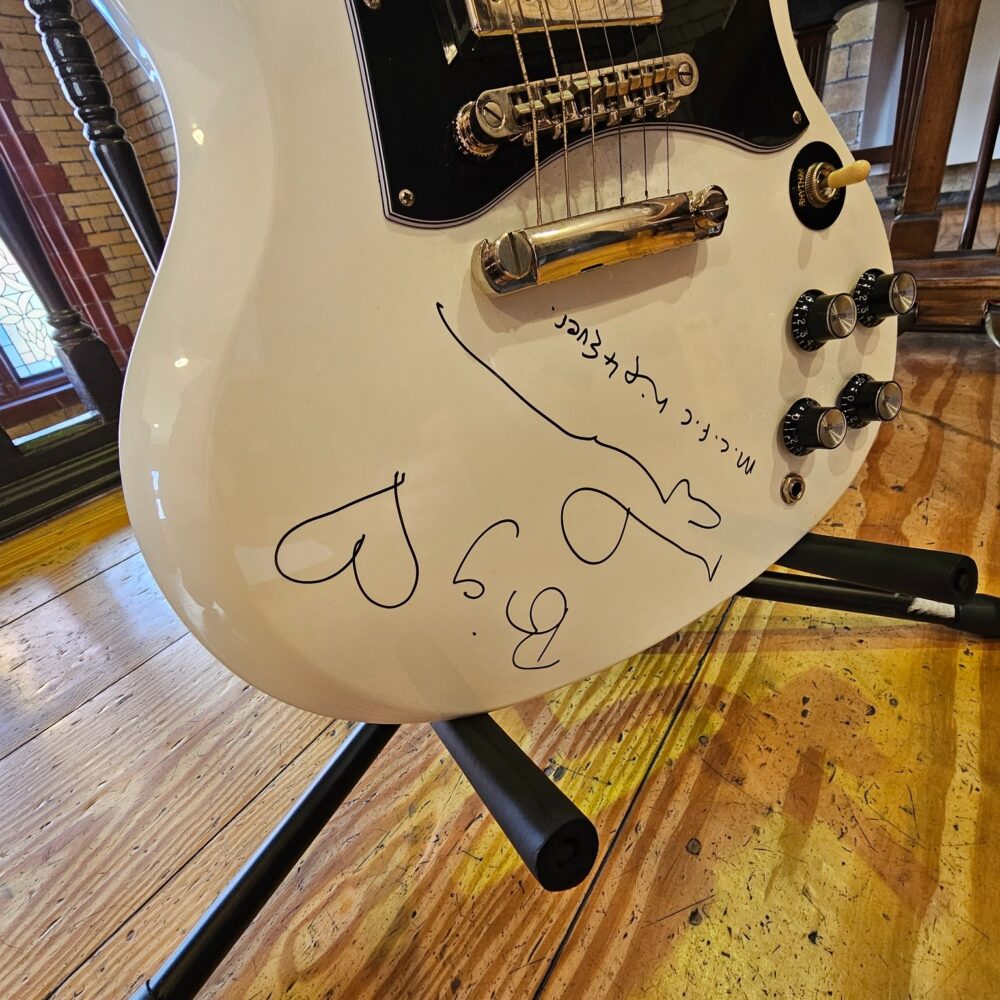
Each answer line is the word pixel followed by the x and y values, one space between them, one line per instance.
pixel 356 547
pixel 531 406
pixel 582 335
pixel 536 630
pixel 482 586
pixel 711 563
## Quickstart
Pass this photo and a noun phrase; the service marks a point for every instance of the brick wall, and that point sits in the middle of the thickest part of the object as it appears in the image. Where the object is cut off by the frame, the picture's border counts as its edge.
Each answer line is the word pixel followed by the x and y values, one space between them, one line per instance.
pixel 89 241
pixel 59 164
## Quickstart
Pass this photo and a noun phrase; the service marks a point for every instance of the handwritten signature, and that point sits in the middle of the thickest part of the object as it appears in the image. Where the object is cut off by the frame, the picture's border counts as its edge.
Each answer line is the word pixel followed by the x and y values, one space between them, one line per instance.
pixel 633 374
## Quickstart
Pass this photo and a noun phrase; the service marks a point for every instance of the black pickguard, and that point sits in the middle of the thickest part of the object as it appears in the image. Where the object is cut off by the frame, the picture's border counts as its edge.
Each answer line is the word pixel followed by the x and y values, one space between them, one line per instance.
pixel 745 94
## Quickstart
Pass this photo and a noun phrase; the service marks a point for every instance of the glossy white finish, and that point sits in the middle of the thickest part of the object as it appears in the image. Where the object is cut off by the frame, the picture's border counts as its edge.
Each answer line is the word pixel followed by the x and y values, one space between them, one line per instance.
pixel 293 359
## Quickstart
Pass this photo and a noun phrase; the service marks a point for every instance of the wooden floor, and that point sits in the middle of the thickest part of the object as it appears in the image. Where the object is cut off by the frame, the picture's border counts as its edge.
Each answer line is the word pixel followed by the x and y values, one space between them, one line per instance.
pixel 789 805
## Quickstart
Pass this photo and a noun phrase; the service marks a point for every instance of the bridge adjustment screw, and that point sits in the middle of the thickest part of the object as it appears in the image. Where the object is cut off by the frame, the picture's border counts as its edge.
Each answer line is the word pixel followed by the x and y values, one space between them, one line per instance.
pixel 491 114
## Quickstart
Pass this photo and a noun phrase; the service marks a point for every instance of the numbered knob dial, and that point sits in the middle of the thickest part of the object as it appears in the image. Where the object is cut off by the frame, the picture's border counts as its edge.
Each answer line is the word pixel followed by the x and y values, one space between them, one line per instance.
pixel 880 296
pixel 818 318
pixel 808 426
pixel 863 400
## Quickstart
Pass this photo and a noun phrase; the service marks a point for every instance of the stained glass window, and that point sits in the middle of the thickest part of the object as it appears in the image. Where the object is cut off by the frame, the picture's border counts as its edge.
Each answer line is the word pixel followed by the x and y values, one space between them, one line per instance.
pixel 24 335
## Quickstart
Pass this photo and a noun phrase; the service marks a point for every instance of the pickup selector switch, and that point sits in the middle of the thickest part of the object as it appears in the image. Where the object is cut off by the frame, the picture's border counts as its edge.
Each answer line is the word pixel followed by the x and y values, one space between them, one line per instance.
pixel 818 318
pixel 808 426
pixel 880 296
pixel 864 400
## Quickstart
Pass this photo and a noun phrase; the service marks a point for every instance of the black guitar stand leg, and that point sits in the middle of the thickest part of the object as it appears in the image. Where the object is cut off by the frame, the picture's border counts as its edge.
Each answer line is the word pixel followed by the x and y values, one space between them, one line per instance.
pixel 209 941
pixel 555 840
pixel 979 616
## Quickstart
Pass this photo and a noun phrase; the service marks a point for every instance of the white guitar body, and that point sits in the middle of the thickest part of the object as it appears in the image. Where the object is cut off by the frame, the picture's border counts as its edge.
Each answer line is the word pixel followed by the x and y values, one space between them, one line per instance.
pixel 323 414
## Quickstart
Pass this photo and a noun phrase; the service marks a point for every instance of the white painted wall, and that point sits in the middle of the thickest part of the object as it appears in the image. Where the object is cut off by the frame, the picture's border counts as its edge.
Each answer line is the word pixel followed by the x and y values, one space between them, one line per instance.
pixel 975 98
pixel 882 92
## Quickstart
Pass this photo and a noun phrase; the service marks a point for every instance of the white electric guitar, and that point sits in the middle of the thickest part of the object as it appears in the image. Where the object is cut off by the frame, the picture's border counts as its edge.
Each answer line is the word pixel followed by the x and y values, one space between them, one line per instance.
pixel 494 339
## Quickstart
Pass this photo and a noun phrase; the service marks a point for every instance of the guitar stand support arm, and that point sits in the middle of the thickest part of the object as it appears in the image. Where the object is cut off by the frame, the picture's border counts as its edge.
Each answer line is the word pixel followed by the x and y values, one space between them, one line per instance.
pixel 979 616
pixel 945 577
pixel 555 840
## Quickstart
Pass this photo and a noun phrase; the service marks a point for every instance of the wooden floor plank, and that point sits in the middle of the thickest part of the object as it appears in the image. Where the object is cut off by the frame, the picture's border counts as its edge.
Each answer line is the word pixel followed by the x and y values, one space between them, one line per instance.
pixel 54 658
pixel 138 946
pixel 825 821
pixel 819 820
pixel 107 805
pixel 46 561
pixel 412 888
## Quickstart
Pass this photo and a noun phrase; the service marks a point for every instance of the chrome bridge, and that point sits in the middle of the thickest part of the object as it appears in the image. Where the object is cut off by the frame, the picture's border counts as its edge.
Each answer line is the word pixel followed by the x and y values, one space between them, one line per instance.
pixel 629 91
pixel 536 256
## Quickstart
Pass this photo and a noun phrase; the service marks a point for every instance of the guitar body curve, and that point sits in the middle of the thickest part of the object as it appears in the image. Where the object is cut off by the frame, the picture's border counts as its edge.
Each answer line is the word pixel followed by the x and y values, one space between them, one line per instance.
pixel 377 493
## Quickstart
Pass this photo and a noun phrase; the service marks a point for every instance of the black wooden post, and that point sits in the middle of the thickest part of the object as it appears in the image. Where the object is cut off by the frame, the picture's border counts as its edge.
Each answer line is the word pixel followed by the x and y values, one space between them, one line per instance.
pixel 814 50
pixel 978 186
pixel 83 84
pixel 85 358
pixel 8 450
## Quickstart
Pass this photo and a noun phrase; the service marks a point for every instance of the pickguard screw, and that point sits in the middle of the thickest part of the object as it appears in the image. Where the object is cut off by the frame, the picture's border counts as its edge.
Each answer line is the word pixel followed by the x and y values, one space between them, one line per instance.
pixel 797 117
pixel 406 198
pixel 373 4
pixel 491 114
pixel 793 488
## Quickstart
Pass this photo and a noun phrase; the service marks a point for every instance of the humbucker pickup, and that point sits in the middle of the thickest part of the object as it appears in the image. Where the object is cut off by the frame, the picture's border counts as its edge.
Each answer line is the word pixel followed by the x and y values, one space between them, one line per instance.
pixel 628 91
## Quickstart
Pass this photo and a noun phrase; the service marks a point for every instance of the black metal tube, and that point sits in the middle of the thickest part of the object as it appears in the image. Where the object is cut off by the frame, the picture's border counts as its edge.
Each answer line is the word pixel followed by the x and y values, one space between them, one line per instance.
pixel 981 616
pixel 190 966
pixel 946 577
pixel 974 206
pixel 554 839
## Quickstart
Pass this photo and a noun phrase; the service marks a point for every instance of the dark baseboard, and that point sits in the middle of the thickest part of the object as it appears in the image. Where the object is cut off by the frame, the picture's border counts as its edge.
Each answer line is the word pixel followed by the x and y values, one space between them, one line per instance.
pixel 51 476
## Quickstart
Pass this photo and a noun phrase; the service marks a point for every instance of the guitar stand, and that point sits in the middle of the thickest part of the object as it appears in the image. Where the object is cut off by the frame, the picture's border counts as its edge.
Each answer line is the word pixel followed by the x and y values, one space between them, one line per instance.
pixel 557 843
pixel 890 581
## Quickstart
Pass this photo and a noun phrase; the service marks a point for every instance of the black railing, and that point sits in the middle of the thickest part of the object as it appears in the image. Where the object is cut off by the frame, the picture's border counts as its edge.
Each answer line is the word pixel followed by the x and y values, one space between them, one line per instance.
pixel 40 478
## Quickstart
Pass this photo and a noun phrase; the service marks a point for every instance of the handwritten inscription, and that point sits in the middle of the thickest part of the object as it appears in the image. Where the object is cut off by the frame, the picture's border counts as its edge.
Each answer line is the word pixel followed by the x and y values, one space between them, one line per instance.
pixel 633 375
pixel 594 524
pixel 322 547
pixel 676 513
pixel 527 655
pixel 471 580
pixel 545 614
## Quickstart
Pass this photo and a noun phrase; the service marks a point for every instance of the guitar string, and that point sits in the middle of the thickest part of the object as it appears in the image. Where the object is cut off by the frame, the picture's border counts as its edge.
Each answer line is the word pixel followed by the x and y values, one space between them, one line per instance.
pixel 542 7
pixel 531 105
pixel 619 100
pixel 659 45
pixel 586 70
pixel 666 119
pixel 642 94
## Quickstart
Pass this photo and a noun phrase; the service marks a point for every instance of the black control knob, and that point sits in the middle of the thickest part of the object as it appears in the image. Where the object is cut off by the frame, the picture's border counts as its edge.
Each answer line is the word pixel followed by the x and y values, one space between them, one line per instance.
pixel 880 296
pixel 818 318
pixel 808 426
pixel 863 400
